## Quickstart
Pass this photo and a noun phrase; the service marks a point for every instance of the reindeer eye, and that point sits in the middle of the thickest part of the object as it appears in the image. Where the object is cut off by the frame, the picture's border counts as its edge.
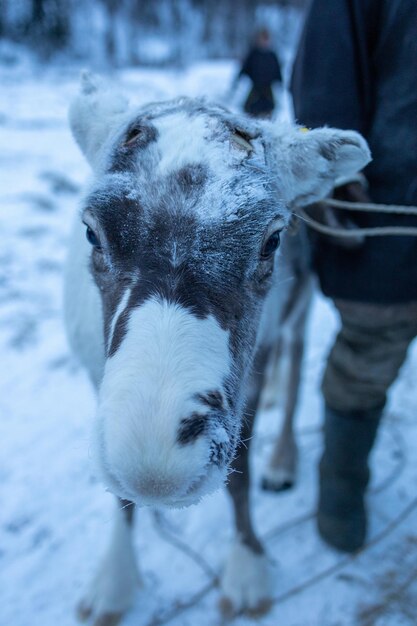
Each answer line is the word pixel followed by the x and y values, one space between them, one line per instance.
pixel 133 134
pixel 92 238
pixel 271 245
pixel 242 140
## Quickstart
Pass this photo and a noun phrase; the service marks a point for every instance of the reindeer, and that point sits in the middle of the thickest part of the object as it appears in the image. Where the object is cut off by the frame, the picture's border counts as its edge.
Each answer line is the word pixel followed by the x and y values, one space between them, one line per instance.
pixel 171 300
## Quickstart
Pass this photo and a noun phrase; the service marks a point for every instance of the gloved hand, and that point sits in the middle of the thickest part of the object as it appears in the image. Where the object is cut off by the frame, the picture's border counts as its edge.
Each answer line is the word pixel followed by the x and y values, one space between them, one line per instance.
pixel 353 190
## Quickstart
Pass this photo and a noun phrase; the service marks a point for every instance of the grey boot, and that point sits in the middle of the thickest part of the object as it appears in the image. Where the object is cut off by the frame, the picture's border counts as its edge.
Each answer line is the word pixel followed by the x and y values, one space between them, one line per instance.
pixel 344 476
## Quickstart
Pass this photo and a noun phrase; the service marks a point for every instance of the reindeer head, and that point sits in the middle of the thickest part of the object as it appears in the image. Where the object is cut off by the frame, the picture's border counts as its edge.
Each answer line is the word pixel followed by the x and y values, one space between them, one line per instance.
pixel 183 218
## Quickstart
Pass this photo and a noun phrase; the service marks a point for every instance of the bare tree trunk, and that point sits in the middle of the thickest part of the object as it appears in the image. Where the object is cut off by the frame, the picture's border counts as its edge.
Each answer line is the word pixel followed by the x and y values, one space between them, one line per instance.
pixel 49 26
pixel 110 35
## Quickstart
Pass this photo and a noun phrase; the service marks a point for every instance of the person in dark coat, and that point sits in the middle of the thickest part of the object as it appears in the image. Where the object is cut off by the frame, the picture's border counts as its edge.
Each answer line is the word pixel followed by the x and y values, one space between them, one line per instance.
pixel 262 67
pixel 356 69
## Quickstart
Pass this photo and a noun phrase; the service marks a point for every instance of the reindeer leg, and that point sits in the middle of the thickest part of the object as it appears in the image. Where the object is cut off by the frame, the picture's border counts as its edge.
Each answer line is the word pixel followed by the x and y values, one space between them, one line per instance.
pixel 280 472
pixel 114 585
pixel 246 580
pixel 273 376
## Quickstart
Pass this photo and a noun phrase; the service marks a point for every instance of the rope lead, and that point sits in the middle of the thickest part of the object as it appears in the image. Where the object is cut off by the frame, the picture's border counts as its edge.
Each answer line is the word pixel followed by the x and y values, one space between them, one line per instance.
pixel 376 231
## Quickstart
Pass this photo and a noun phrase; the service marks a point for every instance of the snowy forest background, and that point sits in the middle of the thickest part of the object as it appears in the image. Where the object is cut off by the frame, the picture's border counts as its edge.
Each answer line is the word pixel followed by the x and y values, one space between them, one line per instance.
pixel 131 32
pixel 55 517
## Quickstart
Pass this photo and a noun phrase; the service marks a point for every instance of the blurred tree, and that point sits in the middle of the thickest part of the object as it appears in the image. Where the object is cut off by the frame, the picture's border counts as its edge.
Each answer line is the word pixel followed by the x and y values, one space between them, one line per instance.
pixel 118 32
pixel 49 26
pixel 111 7
pixel 2 18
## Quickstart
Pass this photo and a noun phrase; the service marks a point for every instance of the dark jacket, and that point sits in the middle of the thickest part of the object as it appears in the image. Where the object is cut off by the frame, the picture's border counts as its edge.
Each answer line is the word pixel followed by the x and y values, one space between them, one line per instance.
pixel 356 68
pixel 262 67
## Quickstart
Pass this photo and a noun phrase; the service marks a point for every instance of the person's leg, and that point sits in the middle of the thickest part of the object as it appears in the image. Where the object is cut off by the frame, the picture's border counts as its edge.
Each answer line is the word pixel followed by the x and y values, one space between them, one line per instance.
pixel 344 476
pixel 364 361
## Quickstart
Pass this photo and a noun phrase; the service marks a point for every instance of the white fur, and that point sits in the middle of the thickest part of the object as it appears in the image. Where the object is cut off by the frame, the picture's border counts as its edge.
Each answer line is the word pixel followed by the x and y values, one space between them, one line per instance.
pixel 94 114
pixel 120 308
pixel 183 140
pixel 180 140
pixel 83 313
pixel 117 579
pixel 247 578
pixel 149 385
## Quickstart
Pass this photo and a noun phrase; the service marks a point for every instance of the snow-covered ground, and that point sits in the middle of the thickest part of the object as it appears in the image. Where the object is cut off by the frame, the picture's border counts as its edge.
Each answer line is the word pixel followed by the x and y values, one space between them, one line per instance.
pixel 55 519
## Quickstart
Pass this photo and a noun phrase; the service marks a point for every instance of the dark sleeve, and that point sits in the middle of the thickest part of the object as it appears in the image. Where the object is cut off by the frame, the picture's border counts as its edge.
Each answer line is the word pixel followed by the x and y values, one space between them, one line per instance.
pixel 247 65
pixel 331 80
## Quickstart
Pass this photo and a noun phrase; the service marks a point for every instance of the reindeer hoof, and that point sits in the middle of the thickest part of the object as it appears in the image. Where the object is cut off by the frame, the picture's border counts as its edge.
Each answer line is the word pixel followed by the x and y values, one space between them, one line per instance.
pixel 261 609
pixel 89 610
pixel 110 594
pixel 108 619
pixel 246 583
pixel 226 608
pixel 84 613
pixel 277 479
pixel 229 611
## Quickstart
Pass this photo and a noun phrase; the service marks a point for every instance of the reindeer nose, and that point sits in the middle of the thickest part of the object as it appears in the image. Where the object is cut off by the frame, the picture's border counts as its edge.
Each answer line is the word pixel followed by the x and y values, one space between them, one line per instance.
pixel 157 486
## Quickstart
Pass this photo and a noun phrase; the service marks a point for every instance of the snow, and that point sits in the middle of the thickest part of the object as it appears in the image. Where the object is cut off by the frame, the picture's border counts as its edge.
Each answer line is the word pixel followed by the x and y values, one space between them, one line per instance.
pixel 55 519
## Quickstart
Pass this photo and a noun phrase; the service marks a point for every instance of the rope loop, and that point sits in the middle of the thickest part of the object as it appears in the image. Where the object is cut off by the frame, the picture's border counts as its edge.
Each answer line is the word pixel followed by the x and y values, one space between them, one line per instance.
pixel 368 207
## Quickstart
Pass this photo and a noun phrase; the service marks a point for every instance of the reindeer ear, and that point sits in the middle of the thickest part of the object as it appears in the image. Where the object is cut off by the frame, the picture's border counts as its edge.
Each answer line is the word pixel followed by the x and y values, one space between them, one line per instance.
pixel 93 114
pixel 309 162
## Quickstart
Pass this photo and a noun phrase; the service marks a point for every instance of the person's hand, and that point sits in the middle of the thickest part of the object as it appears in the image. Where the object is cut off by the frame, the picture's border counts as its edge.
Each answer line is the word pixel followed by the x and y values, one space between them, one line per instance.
pixel 343 219
pixel 354 191
pixel 351 191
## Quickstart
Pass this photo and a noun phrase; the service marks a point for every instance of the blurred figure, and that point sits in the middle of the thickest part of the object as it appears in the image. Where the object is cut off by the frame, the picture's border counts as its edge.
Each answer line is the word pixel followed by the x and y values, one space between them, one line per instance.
pixel 355 69
pixel 262 67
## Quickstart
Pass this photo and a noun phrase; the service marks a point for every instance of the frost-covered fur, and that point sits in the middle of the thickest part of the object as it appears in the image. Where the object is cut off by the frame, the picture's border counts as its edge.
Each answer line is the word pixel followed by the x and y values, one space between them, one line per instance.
pixel 176 293
pixel 317 158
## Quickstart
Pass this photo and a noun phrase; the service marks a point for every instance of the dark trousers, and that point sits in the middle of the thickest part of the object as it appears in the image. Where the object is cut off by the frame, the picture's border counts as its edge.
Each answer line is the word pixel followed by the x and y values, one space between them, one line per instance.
pixel 367 354
pixel 260 101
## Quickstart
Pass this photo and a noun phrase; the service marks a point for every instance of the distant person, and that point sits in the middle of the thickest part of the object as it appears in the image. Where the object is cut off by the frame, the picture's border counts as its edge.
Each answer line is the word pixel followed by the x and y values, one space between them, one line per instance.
pixel 356 68
pixel 262 67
